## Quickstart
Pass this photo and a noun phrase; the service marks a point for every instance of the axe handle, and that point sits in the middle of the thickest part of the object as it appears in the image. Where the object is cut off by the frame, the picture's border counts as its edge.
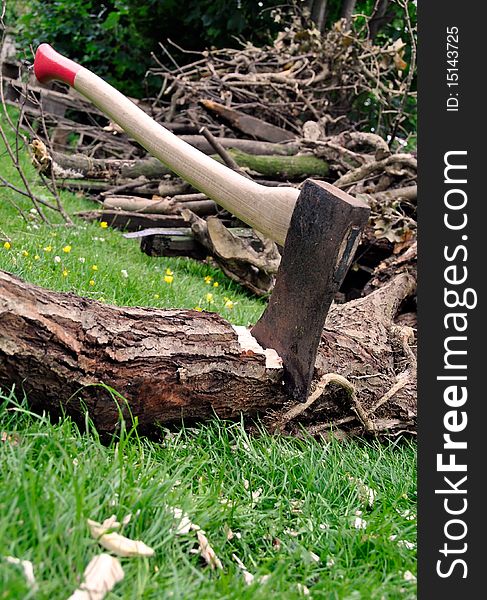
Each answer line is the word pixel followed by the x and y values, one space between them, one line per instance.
pixel 267 209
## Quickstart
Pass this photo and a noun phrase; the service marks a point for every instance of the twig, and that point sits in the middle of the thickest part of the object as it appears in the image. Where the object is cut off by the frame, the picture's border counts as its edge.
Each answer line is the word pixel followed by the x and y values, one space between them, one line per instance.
pixel 322 384
pixel 220 150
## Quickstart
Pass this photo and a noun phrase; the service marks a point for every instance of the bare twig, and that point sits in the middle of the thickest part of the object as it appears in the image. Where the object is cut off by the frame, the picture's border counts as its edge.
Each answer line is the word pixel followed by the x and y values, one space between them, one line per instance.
pixel 220 150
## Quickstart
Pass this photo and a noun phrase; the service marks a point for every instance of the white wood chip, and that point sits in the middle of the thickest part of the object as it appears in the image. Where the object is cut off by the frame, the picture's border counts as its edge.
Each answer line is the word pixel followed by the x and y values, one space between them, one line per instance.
pixel 27 568
pixel 185 524
pixel 100 577
pixel 116 543
pixel 359 523
pixel 365 493
pixel 248 577
pixel 207 551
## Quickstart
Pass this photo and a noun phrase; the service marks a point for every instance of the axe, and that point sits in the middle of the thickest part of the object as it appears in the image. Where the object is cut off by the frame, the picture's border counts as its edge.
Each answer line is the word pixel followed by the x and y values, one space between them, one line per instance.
pixel 319 225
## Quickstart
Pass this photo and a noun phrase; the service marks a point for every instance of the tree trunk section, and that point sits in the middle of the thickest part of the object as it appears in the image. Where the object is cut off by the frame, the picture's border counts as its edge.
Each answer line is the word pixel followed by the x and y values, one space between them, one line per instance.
pixel 174 364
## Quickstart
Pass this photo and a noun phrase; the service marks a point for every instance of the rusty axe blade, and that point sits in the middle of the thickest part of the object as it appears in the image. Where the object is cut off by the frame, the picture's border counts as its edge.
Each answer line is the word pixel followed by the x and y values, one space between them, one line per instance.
pixel 323 235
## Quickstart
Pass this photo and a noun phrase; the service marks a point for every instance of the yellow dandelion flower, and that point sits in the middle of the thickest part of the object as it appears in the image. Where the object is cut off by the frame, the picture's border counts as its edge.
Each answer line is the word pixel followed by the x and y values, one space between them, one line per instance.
pixel 67 249
pixel 216 284
pixel 208 279
pixel 102 299
pixel 229 304
pixel 103 224
pixel 65 272
pixel 25 253
pixel 209 298
pixel 94 268
pixel 198 308
pixel 156 296
pixel 92 282
pixel 48 249
pixel 169 272
pixel 37 257
pixel 7 245
pixel 168 278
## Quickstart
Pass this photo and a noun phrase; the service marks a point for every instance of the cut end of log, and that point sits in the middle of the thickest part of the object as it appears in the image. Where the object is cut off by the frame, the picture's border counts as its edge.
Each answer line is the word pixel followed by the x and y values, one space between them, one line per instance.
pixel 249 344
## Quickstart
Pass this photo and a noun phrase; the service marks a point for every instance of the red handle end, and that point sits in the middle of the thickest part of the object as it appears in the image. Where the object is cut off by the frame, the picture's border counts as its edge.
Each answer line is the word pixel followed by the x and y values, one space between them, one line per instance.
pixel 49 65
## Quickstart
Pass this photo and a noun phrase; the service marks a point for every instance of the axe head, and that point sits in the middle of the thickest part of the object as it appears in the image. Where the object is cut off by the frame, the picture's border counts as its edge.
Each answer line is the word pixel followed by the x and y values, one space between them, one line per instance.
pixel 323 235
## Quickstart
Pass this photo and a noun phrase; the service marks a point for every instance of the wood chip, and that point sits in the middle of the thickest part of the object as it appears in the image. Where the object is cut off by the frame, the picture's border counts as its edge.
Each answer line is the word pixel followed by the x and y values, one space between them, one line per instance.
pixel 100 577
pixel 116 543
pixel 27 568
pixel 207 551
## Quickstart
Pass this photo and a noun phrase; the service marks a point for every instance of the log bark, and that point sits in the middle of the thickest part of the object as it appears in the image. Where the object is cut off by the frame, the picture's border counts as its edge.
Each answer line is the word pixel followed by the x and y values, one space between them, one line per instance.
pixel 174 364
pixel 246 124
pixel 199 204
pixel 247 146
pixel 77 166
pixel 251 261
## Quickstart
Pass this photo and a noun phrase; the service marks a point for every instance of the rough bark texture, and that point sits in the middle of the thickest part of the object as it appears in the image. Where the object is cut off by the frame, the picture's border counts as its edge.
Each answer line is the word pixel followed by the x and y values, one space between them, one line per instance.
pixel 170 364
pixel 79 166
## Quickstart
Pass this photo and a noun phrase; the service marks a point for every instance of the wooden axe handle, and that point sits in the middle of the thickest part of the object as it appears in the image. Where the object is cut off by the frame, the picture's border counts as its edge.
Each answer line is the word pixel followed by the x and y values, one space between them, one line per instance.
pixel 267 209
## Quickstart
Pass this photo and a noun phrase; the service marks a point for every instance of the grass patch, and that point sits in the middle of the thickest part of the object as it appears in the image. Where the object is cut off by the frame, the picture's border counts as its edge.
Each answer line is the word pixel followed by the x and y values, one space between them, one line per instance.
pixel 299 500
pixel 101 264
pixel 53 476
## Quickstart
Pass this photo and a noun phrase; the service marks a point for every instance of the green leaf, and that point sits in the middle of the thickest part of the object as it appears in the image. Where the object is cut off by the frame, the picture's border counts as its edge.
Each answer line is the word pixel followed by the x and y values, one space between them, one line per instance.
pixel 111 21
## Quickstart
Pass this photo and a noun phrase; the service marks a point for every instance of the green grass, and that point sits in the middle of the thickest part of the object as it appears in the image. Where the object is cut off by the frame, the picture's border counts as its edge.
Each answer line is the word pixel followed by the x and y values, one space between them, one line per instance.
pixel 53 476
pixel 34 247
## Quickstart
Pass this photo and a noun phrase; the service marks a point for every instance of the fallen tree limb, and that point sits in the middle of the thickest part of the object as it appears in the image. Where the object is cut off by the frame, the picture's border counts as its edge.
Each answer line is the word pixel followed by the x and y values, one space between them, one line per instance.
pixel 288 167
pixel 246 124
pixel 251 261
pixel 78 166
pixel 248 146
pixel 197 203
pixel 170 364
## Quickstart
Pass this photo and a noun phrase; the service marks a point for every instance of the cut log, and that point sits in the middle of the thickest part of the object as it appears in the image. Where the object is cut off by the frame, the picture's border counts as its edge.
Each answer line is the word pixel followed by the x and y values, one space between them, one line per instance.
pixel 174 364
pixel 68 166
pixel 247 146
pixel 78 166
pixel 287 167
pixel 251 126
pixel 161 206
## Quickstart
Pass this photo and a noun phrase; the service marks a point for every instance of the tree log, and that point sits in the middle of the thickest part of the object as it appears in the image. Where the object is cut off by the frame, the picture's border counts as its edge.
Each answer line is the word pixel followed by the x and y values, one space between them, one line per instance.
pixel 247 124
pixel 76 166
pixel 173 364
pixel 199 204
pixel 247 146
